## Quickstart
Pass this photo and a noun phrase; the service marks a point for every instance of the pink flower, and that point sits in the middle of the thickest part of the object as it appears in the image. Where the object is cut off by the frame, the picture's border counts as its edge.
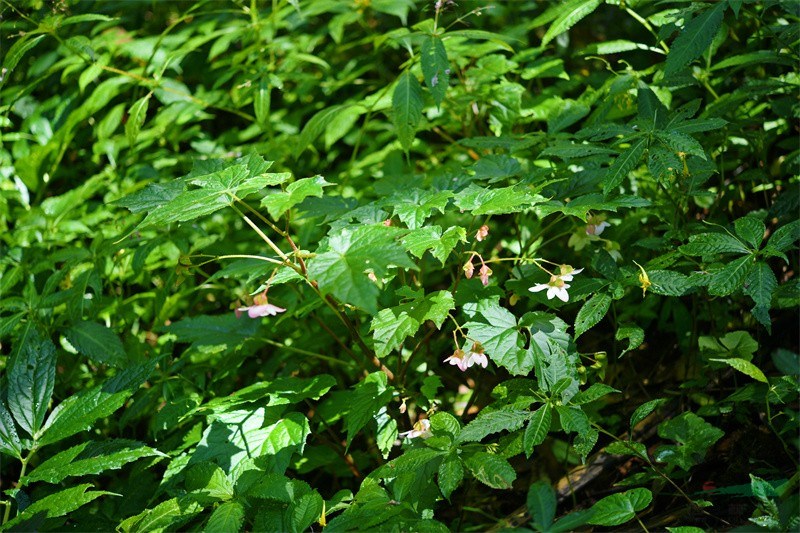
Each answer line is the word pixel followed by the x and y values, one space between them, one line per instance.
pixel 556 288
pixel 465 360
pixel 484 274
pixel 421 429
pixel 261 307
pixel 483 232
pixel 469 268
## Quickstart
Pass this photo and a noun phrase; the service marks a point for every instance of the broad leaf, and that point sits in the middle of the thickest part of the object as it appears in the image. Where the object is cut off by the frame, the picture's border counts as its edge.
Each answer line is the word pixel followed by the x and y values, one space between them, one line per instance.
pixel 98 343
pixel 227 518
pixel 393 325
pixel 620 508
pixel 745 367
pixel 538 428
pixel 592 312
pixel 58 504
pixel 435 67
pixel 541 503
pixel 407 108
pixel 31 379
pixel 500 337
pixel 10 443
pixel 492 422
pixel 491 470
pixel 277 203
pixel 451 472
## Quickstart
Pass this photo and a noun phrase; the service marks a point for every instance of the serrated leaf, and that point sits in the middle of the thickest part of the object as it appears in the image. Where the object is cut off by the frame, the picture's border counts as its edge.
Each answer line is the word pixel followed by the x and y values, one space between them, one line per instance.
pixel 316 125
pixel 620 508
pixel 418 241
pixel 694 39
pixel 368 398
pixel 58 504
pixel 623 164
pixel 785 236
pixel 342 268
pixel 227 518
pixel 591 313
pixel 636 449
pixel 499 335
pixel 393 325
pixel 414 207
pixel 305 511
pixel 412 460
pixel 573 419
pixel 90 457
pixel 407 108
pixel 680 143
pixel 208 479
pixel 713 243
pixel 98 343
pixel 635 336
pixel 541 502
pixel 745 367
pixel 491 470
pixel 663 164
pixel 9 438
pixel 644 410
pixel 730 278
pixel 492 422
pixel 495 201
pixel 79 411
pixel 451 472
pixel 31 379
pixel 699 125
pixel 669 283
pixel 581 205
pixel 760 283
pixel 17 50
pixel 136 116
pixel 170 513
pixel 694 436
pixel 435 67
pixel 538 428
pixel 594 392
pixel 277 203
pixel 568 16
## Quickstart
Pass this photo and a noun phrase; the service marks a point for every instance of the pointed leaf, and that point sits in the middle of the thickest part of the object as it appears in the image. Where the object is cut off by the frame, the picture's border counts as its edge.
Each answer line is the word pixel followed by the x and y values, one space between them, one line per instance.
pixel 745 367
pixel 98 343
pixel 568 17
pixel 136 116
pixel 9 438
pixel 305 511
pixel 591 313
pixel 277 203
pixel 623 164
pixel 730 278
pixel 542 503
pixel 694 39
pixel 760 283
pixel 407 108
pixel 538 428
pixel 492 422
pixel 620 508
pixel 785 236
pixel 58 504
pixel 435 67
pixel 31 379
pixel 227 518
pixel 451 472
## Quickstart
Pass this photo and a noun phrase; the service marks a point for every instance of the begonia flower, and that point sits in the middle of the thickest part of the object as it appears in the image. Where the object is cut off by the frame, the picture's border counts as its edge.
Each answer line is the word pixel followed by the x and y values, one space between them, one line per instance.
pixel 484 274
pixel 261 307
pixel 556 288
pixel 422 428
pixel 465 360
pixel 483 232
pixel 469 268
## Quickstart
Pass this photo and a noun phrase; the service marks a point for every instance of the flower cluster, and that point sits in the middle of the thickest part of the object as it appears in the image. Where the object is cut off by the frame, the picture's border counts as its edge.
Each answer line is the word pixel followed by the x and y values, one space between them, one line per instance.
pixel 557 286
pixel 465 360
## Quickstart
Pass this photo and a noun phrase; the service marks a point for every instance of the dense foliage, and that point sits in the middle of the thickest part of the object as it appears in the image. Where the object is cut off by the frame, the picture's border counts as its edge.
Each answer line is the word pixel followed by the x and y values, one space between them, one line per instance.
pixel 399 266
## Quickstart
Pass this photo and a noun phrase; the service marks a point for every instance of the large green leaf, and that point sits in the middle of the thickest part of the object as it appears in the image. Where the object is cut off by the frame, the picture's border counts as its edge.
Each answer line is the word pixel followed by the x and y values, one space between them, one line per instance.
pixel 407 108
pixel 592 312
pixel 713 243
pixel 78 412
pixel 167 514
pixel 393 325
pixel 451 472
pixel 760 283
pixel 731 277
pixel 695 38
pixel 495 201
pixel 342 268
pixel 492 422
pixel 91 457
pixel 568 15
pixel 368 398
pixel 304 511
pixel 98 343
pixel 418 241
pixel 10 443
pixel 227 518
pixel 538 428
pixel 136 116
pixel 58 504
pixel 501 338
pixel 694 436
pixel 751 230
pixel 491 470
pixel 277 203
pixel 414 206
pixel 31 379
pixel 743 366
pixel 620 508
pixel 435 67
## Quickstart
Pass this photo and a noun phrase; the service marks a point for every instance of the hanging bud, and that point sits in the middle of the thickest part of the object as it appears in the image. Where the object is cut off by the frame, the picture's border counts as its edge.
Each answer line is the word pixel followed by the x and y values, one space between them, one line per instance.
pixel 644 279
pixel 483 232
pixel 469 268
pixel 484 274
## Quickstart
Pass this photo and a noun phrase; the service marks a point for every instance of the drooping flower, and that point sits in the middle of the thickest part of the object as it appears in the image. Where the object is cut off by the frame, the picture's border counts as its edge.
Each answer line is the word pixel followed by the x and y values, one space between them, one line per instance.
pixel 469 268
pixel 644 279
pixel 483 232
pixel 422 428
pixel 556 288
pixel 465 360
pixel 566 272
pixel 261 307
pixel 484 274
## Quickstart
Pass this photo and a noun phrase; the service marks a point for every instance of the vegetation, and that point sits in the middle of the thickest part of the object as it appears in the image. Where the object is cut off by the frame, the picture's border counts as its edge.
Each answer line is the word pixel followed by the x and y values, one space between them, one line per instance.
pixel 400 266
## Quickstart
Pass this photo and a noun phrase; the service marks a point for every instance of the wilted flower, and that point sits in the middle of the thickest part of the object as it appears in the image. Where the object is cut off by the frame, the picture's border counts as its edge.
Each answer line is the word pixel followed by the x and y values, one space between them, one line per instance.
pixel 483 232
pixel 422 428
pixel 484 274
pixel 555 288
pixel 469 268
pixel 566 272
pixel 465 360
pixel 261 307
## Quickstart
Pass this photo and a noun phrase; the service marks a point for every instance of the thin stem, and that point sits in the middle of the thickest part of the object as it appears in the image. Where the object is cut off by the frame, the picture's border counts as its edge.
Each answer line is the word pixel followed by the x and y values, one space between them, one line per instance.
pixel 24 461
pixel 303 352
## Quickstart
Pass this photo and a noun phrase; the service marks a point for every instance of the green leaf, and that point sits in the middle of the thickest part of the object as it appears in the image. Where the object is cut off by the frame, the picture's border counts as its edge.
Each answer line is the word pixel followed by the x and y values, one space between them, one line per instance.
pixel 713 243
pixel 168 514
pixel 491 470
pixel 760 283
pixel 368 398
pixel 407 108
pixel 694 39
pixel 213 330
pixel 316 125
pixel 623 164
pixel 451 472
pixel 785 236
pixel 414 207
pixel 78 412
pixel 17 50
pixel 729 279
pixel 58 504
pixel 620 508
pixel 635 336
pixel 573 419
pixel 594 392
pixel 591 313
pixel 492 422
pixel 277 203
pixel 745 367
pixel 435 67
pixel 208 479
pixel 9 439
pixel 98 343
pixel 669 283
pixel 393 325
pixel 262 101
pixel 682 143
pixel 581 205
pixel 636 449
pixel 542 503
pixel 500 337
pixel 568 16
pixel 538 428
pixel 418 241
pixel 305 511
pixel 342 268
pixel 411 461
pixel 496 201
pixel 136 116
pixel 227 518
pixel 694 435
pixel 663 164
pixel 31 379
pixel 645 409
pixel 91 457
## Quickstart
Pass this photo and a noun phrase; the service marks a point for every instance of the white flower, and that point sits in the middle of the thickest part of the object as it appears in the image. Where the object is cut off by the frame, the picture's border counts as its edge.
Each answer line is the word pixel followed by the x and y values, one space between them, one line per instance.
pixel 465 360
pixel 421 429
pixel 567 272
pixel 555 288
pixel 597 229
